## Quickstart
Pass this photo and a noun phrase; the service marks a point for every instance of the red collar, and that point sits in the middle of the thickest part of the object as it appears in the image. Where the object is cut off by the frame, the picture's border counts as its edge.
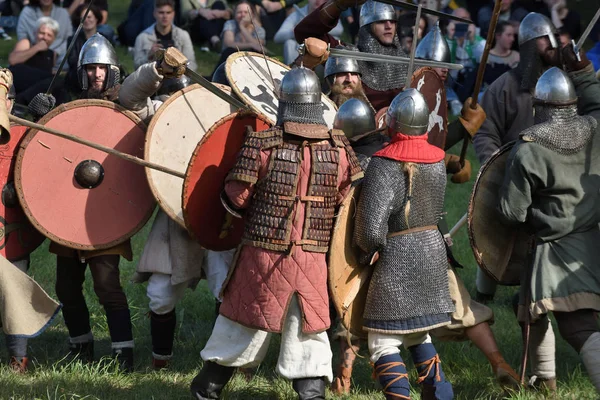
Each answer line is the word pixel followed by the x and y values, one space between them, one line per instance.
pixel 411 149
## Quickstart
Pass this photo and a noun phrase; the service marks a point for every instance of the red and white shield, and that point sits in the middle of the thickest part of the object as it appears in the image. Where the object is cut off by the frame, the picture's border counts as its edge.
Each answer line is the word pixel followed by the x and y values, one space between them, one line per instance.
pixel 54 199
pixel 431 86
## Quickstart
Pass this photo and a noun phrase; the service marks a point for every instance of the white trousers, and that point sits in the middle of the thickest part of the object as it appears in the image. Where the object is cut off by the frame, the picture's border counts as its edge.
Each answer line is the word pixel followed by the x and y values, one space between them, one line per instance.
pixel 216 269
pixel 163 294
pixel 301 355
pixel 384 344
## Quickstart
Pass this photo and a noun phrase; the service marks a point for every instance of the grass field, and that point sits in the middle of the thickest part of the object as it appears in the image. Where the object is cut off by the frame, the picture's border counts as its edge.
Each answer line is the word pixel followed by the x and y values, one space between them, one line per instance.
pixel 52 378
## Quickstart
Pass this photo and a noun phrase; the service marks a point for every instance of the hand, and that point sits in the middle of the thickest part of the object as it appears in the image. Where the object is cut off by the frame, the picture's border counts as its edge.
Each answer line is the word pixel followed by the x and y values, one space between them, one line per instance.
pixel 257 47
pixel 463 175
pixel 271 6
pixel 472 119
pixel 42 45
pixel 570 60
pixel 41 104
pixel 209 15
pixel 156 47
pixel 316 52
pixel 172 63
pixel 6 78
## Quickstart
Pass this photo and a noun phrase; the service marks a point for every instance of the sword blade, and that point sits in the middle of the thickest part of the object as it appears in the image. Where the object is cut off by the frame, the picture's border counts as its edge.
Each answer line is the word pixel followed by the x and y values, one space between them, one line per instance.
pixel 588 30
pixel 429 11
pixel 199 79
pixel 361 56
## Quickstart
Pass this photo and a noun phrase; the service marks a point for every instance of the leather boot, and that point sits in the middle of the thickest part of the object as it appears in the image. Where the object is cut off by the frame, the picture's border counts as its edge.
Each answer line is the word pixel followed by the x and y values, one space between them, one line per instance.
pixel 310 388
pixel 18 364
pixel 343 380
pixel 124 357
pixel 210 381
pixel 505 375
pixel 83 352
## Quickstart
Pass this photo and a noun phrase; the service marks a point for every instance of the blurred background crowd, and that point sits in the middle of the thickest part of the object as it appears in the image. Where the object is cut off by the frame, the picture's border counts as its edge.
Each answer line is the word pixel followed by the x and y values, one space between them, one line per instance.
pixel 44 28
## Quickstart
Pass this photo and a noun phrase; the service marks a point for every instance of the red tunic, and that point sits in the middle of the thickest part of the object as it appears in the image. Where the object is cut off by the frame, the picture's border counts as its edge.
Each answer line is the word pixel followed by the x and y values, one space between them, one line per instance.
pixel 260 287
pixel 318 25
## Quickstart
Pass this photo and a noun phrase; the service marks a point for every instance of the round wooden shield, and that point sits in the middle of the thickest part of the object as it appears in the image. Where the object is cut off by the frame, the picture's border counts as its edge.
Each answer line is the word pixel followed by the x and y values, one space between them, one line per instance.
pixel 203 212
pixel 175 130
pixel 431 86
pixel 18 237
pixel 499 249
pixel 348 281
pixel 56 199
pixel 257 81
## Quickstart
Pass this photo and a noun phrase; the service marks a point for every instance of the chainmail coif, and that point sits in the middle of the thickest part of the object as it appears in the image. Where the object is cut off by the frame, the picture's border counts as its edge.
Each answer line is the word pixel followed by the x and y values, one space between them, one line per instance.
pixel 303 113
pixel 378 75
pixel 560 129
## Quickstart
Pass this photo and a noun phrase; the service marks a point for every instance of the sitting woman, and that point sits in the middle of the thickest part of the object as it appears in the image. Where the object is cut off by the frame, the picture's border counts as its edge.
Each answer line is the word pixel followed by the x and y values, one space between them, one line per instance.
pixel 89 28
pixel 32 63
pixel 206 19
pixel 243 32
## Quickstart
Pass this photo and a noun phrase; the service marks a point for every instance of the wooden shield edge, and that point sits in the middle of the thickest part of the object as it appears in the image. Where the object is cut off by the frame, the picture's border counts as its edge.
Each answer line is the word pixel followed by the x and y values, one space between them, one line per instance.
pixel 18 165
pixel 471 233
pixel 151 126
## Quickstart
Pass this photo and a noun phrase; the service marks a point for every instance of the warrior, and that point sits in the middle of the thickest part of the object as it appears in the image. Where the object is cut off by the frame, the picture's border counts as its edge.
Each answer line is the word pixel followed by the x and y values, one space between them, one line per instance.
pixel 171 260
pixel 508 104
pixel 400 205
pixel 98 74
pixel 342 74
pixel 289 179
pixel 377 34
pixel 470 320
pixel 551 185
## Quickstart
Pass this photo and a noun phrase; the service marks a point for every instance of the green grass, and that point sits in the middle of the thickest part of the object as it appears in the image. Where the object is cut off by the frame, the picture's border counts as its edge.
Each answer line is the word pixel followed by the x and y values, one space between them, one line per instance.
pixel 52 378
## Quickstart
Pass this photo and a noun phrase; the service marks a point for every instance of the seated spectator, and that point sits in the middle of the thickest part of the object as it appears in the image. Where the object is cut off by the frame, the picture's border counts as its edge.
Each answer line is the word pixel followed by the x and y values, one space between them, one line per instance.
pixel 205 20
pixel 272 13
pixel 89 28
pixel 32 63
pixel 462 40
pixel 27 25
pixel 285 34
pixel 406 23
pixel 103 28
pixel 140 15
pixel 240 33
pixel 565 20
pixel 508 12
pixel 161 35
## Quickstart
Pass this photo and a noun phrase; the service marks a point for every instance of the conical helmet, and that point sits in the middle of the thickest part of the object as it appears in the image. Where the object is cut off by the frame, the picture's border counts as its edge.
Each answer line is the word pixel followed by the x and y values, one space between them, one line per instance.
pixel 338 65
pixel 555 88
pixel 536 25
pixel 98 50
pixel 434 46
pixel 354 118
pixel 408 113
pixel 373 11
pixel 300 85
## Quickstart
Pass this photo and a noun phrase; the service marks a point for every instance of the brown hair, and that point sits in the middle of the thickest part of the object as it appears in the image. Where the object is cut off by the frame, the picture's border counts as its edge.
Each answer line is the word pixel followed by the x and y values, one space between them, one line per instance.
pixel 162 3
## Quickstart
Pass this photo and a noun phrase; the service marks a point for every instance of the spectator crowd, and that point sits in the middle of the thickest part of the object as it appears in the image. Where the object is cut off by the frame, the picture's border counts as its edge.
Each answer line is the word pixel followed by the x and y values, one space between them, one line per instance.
pixel 44 29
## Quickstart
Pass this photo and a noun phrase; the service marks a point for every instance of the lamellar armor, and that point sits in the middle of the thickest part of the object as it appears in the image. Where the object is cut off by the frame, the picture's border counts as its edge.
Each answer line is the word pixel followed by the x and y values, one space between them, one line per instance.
pixel 558 126
pixel 98 50
pixel 270 215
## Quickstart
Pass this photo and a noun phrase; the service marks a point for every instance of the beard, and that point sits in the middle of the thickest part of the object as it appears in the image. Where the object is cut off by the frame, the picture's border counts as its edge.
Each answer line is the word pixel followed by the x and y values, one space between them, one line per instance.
pixel 339 97
pixel 92 93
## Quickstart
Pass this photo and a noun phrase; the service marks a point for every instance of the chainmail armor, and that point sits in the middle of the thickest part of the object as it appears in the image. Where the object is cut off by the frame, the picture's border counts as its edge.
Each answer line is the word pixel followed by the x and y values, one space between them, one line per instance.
pixel 377 75
pixel 409 281
pixel 41 104
pixel 303 113
pixel 560 129
pixel 530 67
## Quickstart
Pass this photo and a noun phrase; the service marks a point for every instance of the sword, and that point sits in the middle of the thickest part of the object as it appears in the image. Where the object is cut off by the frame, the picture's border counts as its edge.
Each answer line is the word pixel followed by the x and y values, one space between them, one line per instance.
pixel 361 56
pixel 199 79
pixel 62 62
pixel 586 33
pixel 409 6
